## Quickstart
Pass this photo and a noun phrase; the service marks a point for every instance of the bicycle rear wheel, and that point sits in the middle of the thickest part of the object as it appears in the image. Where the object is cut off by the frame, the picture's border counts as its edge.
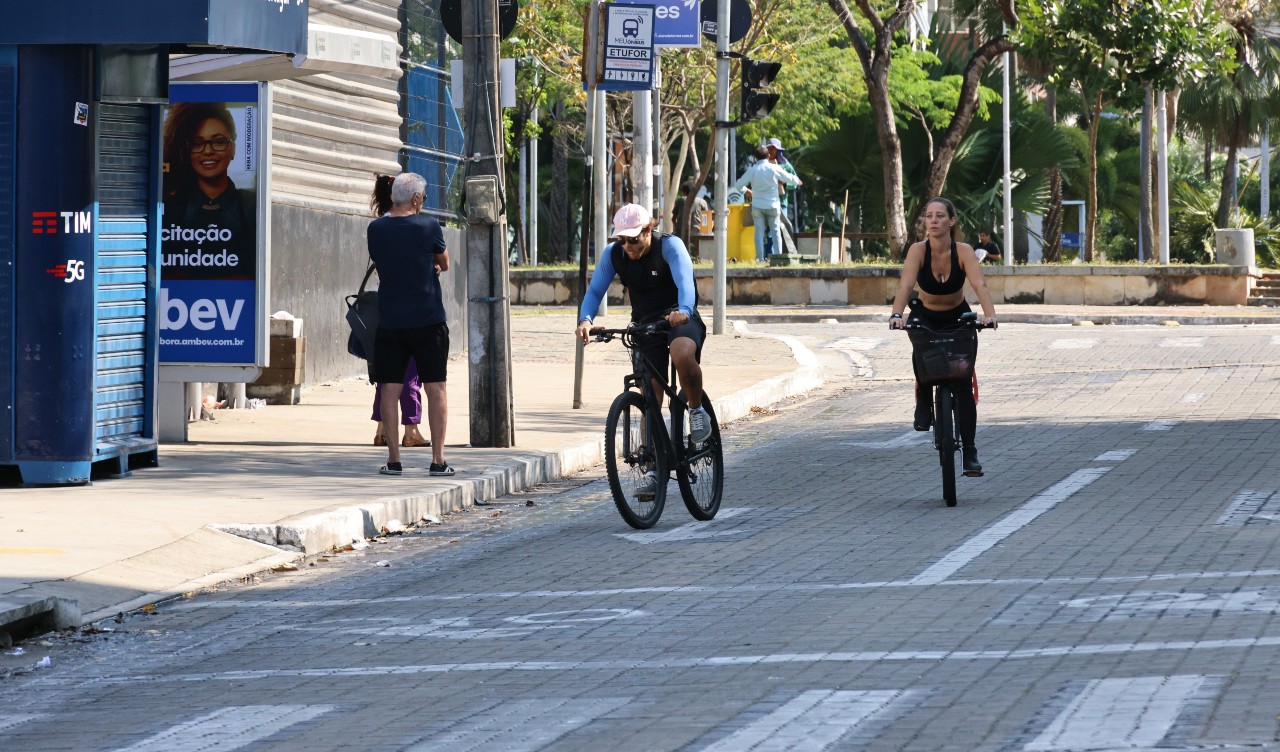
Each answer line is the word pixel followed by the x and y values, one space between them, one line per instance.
pixel 944 439
pixel 699 468
pixel 629 455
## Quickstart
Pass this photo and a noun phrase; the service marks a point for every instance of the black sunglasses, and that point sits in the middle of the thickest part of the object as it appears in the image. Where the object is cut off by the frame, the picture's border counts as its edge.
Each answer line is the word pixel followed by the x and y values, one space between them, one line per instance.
pixel 625 240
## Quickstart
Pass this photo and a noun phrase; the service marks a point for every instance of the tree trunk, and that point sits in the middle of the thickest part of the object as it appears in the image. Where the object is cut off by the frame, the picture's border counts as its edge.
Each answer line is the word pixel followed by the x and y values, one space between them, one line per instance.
pixel 1208 158
pixel 875 71
pixel 559 229
pixel 1091 204
pixel 1144 202
pixel 944 151
pixel 1052 250
pixel 1227 194
pixel 891 155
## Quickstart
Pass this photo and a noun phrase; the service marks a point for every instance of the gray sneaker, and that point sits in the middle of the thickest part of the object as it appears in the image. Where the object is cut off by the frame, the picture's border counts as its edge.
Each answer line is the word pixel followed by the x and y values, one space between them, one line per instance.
pixel 647 488
pixel 699 425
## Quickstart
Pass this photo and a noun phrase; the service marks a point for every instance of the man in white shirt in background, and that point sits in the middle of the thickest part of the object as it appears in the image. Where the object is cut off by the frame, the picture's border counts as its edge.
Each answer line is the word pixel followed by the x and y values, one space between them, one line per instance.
pixel 762 179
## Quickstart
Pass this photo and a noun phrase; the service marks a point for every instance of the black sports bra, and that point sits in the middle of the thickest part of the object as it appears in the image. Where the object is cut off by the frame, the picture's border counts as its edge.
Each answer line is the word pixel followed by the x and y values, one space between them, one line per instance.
pixel 930 284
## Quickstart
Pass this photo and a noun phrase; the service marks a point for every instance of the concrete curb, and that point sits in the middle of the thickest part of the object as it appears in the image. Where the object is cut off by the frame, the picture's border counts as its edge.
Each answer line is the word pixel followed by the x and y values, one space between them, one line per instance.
pixel 321 531
pixel 1101 319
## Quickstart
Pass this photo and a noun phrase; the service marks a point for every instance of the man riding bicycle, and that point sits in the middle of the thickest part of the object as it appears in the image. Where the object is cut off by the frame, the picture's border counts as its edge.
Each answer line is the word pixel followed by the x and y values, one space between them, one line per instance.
pixel 660 285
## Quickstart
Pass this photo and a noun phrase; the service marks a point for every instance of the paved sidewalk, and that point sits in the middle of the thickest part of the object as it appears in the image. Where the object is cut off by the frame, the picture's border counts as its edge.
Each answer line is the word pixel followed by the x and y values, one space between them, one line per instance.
pixel 257 488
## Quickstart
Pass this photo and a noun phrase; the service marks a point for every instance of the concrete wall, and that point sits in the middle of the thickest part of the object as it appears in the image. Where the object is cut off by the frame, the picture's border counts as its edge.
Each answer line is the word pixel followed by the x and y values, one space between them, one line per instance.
pixel 317 258
pixel 836 286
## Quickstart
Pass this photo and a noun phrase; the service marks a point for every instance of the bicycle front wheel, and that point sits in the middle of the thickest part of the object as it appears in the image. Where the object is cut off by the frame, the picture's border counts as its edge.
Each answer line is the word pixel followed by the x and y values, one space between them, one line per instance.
pixel 944 437
pixel 631 455
pixel 699 467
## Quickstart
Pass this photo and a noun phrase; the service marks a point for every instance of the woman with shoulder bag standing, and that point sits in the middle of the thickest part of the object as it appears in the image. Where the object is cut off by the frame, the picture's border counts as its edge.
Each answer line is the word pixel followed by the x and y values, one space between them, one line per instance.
pixel 411 397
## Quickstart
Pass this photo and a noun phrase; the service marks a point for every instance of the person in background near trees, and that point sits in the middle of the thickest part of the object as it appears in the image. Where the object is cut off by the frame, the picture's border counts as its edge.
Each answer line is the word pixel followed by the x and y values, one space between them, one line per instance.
pixel 941 266
pixel 763 179
pixel 778 156
pixel 697 205
pixel 986 249
pixel 408 250
pixel 199 147
pixel 411 395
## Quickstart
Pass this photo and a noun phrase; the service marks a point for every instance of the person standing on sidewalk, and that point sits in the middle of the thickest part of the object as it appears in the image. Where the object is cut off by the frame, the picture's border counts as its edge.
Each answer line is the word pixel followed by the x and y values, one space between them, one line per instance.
pixel 786 227
pixel 658 274
pixel 411 393
pixel 409 252
pixel 986 249
pixel 763 179
pixel 941 266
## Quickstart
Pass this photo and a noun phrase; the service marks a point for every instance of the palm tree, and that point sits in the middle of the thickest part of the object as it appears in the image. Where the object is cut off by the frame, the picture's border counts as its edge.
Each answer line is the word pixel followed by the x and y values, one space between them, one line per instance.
pixel 1231 110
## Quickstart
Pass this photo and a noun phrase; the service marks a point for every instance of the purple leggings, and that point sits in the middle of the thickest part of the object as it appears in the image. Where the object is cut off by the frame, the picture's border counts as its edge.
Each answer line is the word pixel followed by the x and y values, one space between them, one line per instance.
pixel 410 398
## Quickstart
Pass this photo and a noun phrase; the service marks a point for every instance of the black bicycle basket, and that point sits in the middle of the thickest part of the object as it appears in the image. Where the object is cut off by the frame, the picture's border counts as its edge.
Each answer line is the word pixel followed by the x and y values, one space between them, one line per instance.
pixel 945 356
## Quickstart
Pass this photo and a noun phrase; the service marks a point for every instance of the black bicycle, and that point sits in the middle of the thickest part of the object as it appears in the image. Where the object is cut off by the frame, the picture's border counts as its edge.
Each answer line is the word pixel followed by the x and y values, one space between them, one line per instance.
pixel 639 452
pixel 946 364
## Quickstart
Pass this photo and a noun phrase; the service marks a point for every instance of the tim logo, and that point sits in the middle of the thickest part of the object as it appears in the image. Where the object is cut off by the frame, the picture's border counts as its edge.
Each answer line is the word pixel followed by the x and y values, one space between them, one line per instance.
pixel 46 223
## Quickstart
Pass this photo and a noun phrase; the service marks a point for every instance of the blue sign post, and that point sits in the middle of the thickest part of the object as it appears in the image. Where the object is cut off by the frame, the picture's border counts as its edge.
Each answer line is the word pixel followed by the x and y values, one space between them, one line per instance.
pixel 675 22
pixel 626 50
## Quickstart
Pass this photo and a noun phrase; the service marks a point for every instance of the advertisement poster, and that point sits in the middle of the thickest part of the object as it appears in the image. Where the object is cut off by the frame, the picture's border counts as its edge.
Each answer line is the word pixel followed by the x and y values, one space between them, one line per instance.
pixel 210 239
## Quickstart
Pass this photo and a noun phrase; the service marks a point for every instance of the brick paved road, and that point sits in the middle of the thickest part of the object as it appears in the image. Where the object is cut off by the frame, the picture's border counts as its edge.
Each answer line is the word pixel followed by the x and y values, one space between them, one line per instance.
pixel 1112 583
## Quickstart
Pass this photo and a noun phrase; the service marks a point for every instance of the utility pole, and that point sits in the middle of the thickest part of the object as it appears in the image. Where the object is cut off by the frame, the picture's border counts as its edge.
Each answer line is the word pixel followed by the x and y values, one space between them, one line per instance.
pixel 488 306
pixel 718 321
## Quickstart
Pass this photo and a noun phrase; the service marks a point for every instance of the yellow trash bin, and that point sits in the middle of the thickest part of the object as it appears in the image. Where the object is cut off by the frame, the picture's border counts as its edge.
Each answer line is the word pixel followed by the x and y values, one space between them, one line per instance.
pixel 741 243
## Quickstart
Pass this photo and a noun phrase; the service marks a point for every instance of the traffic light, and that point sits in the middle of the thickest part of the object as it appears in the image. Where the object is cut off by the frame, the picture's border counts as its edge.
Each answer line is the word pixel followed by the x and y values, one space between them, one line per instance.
pixel 757 98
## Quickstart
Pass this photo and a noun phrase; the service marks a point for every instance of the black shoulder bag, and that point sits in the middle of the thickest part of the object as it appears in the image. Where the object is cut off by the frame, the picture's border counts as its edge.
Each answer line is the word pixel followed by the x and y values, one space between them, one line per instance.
pixel 362 317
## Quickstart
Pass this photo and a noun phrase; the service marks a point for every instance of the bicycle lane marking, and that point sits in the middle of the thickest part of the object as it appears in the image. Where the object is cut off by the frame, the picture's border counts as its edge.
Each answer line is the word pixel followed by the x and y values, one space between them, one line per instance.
pixel 1012 523
pixel 689 530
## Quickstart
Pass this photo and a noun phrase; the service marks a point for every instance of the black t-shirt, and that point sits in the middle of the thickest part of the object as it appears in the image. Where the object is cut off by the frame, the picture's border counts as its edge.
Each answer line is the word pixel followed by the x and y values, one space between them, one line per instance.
pixel 202 235
pixel 404 251
pixel 989 246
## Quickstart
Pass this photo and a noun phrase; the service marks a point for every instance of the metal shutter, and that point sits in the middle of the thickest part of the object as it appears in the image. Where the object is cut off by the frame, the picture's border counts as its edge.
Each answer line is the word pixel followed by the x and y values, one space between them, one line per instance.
pixel 8 136
pixel 122 413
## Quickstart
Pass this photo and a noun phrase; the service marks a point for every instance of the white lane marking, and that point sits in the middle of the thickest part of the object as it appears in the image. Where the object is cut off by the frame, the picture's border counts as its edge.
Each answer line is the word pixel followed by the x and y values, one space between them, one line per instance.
pixel 461 628
pixel 10 721
pixel 910 438
pixel 1250 505
pixel 228 729
pixel 1072 344
pixel 1160 425
pixel 855 343
pixel 1115 455
pixel 1012 523
pixel 1119 714
pixel 665 664
pixel 704 590
pixel 1131 605
pixel 522 725
pixel 1193 398
pixel 690 530
pixel 1182 342
pixel 810 722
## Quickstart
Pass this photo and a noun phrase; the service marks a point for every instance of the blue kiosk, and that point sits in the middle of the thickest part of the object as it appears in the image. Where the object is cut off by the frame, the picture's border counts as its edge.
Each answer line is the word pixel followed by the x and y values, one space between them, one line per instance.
pixel 82 84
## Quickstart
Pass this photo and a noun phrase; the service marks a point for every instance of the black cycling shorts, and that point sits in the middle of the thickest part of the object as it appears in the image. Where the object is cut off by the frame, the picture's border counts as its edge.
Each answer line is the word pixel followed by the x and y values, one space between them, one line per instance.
pixel 658 349
pixel 427 345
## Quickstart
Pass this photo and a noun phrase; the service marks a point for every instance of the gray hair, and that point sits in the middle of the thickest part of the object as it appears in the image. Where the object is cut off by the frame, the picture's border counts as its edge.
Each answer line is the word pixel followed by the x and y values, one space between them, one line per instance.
pixel 406 185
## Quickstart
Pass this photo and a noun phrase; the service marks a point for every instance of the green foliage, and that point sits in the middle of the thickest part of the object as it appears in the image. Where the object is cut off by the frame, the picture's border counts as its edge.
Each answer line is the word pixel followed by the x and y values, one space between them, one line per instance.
pixel 1191 238
pixel 1117 45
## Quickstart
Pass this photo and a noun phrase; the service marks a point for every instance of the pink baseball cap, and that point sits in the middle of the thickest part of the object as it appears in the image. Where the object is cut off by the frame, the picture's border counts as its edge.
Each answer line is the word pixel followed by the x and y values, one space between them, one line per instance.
pixel 630 220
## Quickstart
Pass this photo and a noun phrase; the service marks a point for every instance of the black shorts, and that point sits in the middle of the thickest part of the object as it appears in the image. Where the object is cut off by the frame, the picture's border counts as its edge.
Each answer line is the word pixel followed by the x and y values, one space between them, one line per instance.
pixel 658 349
pixel 427 345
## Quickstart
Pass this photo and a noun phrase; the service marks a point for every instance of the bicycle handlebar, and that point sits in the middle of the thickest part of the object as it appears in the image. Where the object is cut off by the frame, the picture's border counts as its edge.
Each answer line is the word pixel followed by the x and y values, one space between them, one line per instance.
pixel 967 320
pixel 601 334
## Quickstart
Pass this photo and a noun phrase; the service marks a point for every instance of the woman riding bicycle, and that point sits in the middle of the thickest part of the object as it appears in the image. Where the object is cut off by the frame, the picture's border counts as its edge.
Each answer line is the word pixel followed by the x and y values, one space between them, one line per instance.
pixel 940 266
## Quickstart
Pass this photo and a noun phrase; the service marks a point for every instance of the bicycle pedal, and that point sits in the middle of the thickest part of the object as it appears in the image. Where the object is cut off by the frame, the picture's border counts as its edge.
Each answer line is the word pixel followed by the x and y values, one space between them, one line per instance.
pixel 970 474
